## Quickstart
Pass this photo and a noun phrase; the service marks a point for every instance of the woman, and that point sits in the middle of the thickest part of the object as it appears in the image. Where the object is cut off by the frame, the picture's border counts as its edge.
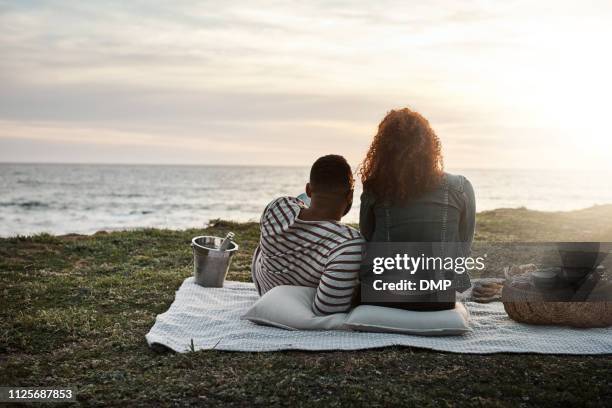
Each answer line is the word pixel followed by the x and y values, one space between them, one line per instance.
pixel 407 196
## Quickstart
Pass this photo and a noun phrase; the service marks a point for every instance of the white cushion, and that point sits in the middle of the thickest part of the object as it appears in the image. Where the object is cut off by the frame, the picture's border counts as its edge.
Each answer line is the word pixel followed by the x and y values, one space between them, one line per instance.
pixel 290 307
pixel 389 320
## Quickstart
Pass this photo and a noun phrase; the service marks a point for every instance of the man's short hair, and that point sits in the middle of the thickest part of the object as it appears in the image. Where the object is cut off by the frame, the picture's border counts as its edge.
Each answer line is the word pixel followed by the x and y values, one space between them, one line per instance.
pixel 331 174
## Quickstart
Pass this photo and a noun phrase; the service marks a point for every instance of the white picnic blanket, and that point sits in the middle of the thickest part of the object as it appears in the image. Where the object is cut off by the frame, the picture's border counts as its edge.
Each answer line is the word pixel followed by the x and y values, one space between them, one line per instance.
pixel 209 318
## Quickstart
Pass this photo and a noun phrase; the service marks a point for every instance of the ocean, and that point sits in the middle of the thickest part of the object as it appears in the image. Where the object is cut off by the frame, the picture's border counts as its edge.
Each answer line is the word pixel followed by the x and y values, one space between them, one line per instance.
pixel 69 198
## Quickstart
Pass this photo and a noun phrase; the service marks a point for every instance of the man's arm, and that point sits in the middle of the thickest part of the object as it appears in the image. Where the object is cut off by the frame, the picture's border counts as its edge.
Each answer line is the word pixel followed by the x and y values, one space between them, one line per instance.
pixel 340 279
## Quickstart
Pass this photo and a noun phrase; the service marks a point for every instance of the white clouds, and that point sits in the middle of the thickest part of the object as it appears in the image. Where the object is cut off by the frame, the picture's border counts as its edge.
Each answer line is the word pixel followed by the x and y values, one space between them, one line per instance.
pixel 348 47
pixel 251 73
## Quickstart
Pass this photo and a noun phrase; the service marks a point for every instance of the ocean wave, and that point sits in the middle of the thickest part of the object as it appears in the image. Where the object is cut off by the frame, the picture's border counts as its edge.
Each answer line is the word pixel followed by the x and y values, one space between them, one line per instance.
pixel 24 204
pixel 141 212
pixel 126 195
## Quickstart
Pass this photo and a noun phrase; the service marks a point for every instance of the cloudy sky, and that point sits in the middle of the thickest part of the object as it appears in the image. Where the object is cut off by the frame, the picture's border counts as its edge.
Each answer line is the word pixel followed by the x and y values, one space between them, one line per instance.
pixel 508 84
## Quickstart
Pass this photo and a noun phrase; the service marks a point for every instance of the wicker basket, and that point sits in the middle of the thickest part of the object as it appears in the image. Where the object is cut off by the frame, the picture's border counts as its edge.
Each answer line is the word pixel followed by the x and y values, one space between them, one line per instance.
pixel 525 304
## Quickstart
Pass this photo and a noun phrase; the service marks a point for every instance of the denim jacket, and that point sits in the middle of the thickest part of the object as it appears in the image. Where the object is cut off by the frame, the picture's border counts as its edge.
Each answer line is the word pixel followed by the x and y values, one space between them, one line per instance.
pixel 446 214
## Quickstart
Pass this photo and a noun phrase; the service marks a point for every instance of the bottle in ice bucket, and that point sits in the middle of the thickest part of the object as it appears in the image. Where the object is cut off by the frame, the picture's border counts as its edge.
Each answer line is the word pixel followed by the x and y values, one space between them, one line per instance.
pixel 211 259
pixel 227 242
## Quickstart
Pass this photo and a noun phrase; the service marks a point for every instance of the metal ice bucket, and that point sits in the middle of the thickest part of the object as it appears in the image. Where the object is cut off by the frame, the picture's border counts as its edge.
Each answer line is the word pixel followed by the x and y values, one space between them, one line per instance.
pixel 210 265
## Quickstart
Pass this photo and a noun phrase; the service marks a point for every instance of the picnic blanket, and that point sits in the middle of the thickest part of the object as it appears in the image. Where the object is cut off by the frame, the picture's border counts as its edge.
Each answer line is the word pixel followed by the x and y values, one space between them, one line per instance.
pixel 209 318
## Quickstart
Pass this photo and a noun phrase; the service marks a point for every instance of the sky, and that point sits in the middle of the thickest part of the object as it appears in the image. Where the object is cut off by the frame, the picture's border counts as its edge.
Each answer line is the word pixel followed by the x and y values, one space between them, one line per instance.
pixel 506 84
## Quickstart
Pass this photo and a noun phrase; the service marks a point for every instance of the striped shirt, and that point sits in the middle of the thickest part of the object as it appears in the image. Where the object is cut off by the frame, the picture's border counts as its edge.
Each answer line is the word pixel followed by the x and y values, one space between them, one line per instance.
pixel 321 254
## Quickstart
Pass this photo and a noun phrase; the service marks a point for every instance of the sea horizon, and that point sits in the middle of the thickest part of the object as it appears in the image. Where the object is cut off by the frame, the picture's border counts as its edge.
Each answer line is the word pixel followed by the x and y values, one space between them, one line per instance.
pixel 64 198
pixel 145 164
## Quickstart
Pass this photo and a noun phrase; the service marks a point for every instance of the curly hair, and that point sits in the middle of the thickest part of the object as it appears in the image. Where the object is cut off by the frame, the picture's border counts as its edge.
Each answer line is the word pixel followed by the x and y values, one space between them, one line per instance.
pixel 404 160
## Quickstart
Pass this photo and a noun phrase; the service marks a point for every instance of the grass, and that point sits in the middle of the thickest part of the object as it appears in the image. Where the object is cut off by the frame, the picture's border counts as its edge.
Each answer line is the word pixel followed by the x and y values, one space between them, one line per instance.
pixel 75 309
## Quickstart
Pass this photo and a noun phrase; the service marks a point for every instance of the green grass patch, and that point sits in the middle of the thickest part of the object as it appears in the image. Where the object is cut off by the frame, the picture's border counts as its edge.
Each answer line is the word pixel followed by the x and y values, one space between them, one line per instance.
pixel 75 309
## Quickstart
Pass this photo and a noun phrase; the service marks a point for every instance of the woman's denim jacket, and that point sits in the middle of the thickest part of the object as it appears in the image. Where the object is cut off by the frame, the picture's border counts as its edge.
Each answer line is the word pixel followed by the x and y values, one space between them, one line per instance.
pixel 446 214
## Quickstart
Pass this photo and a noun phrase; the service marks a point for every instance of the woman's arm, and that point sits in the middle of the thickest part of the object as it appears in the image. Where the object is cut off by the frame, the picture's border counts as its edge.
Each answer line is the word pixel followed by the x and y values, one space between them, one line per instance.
pixel 367 222
pixel 467 222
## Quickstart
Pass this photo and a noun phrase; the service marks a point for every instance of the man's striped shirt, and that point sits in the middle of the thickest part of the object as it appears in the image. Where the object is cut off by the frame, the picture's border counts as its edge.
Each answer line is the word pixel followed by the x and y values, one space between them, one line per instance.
pixel 321 254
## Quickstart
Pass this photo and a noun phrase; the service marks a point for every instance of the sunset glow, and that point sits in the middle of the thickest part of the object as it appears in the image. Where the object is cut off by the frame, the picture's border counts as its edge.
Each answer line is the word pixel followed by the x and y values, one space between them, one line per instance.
pixel 280 83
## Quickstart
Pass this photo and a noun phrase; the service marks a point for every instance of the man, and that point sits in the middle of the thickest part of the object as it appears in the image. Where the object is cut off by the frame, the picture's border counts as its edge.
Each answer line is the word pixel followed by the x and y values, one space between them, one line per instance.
pixel 307 245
